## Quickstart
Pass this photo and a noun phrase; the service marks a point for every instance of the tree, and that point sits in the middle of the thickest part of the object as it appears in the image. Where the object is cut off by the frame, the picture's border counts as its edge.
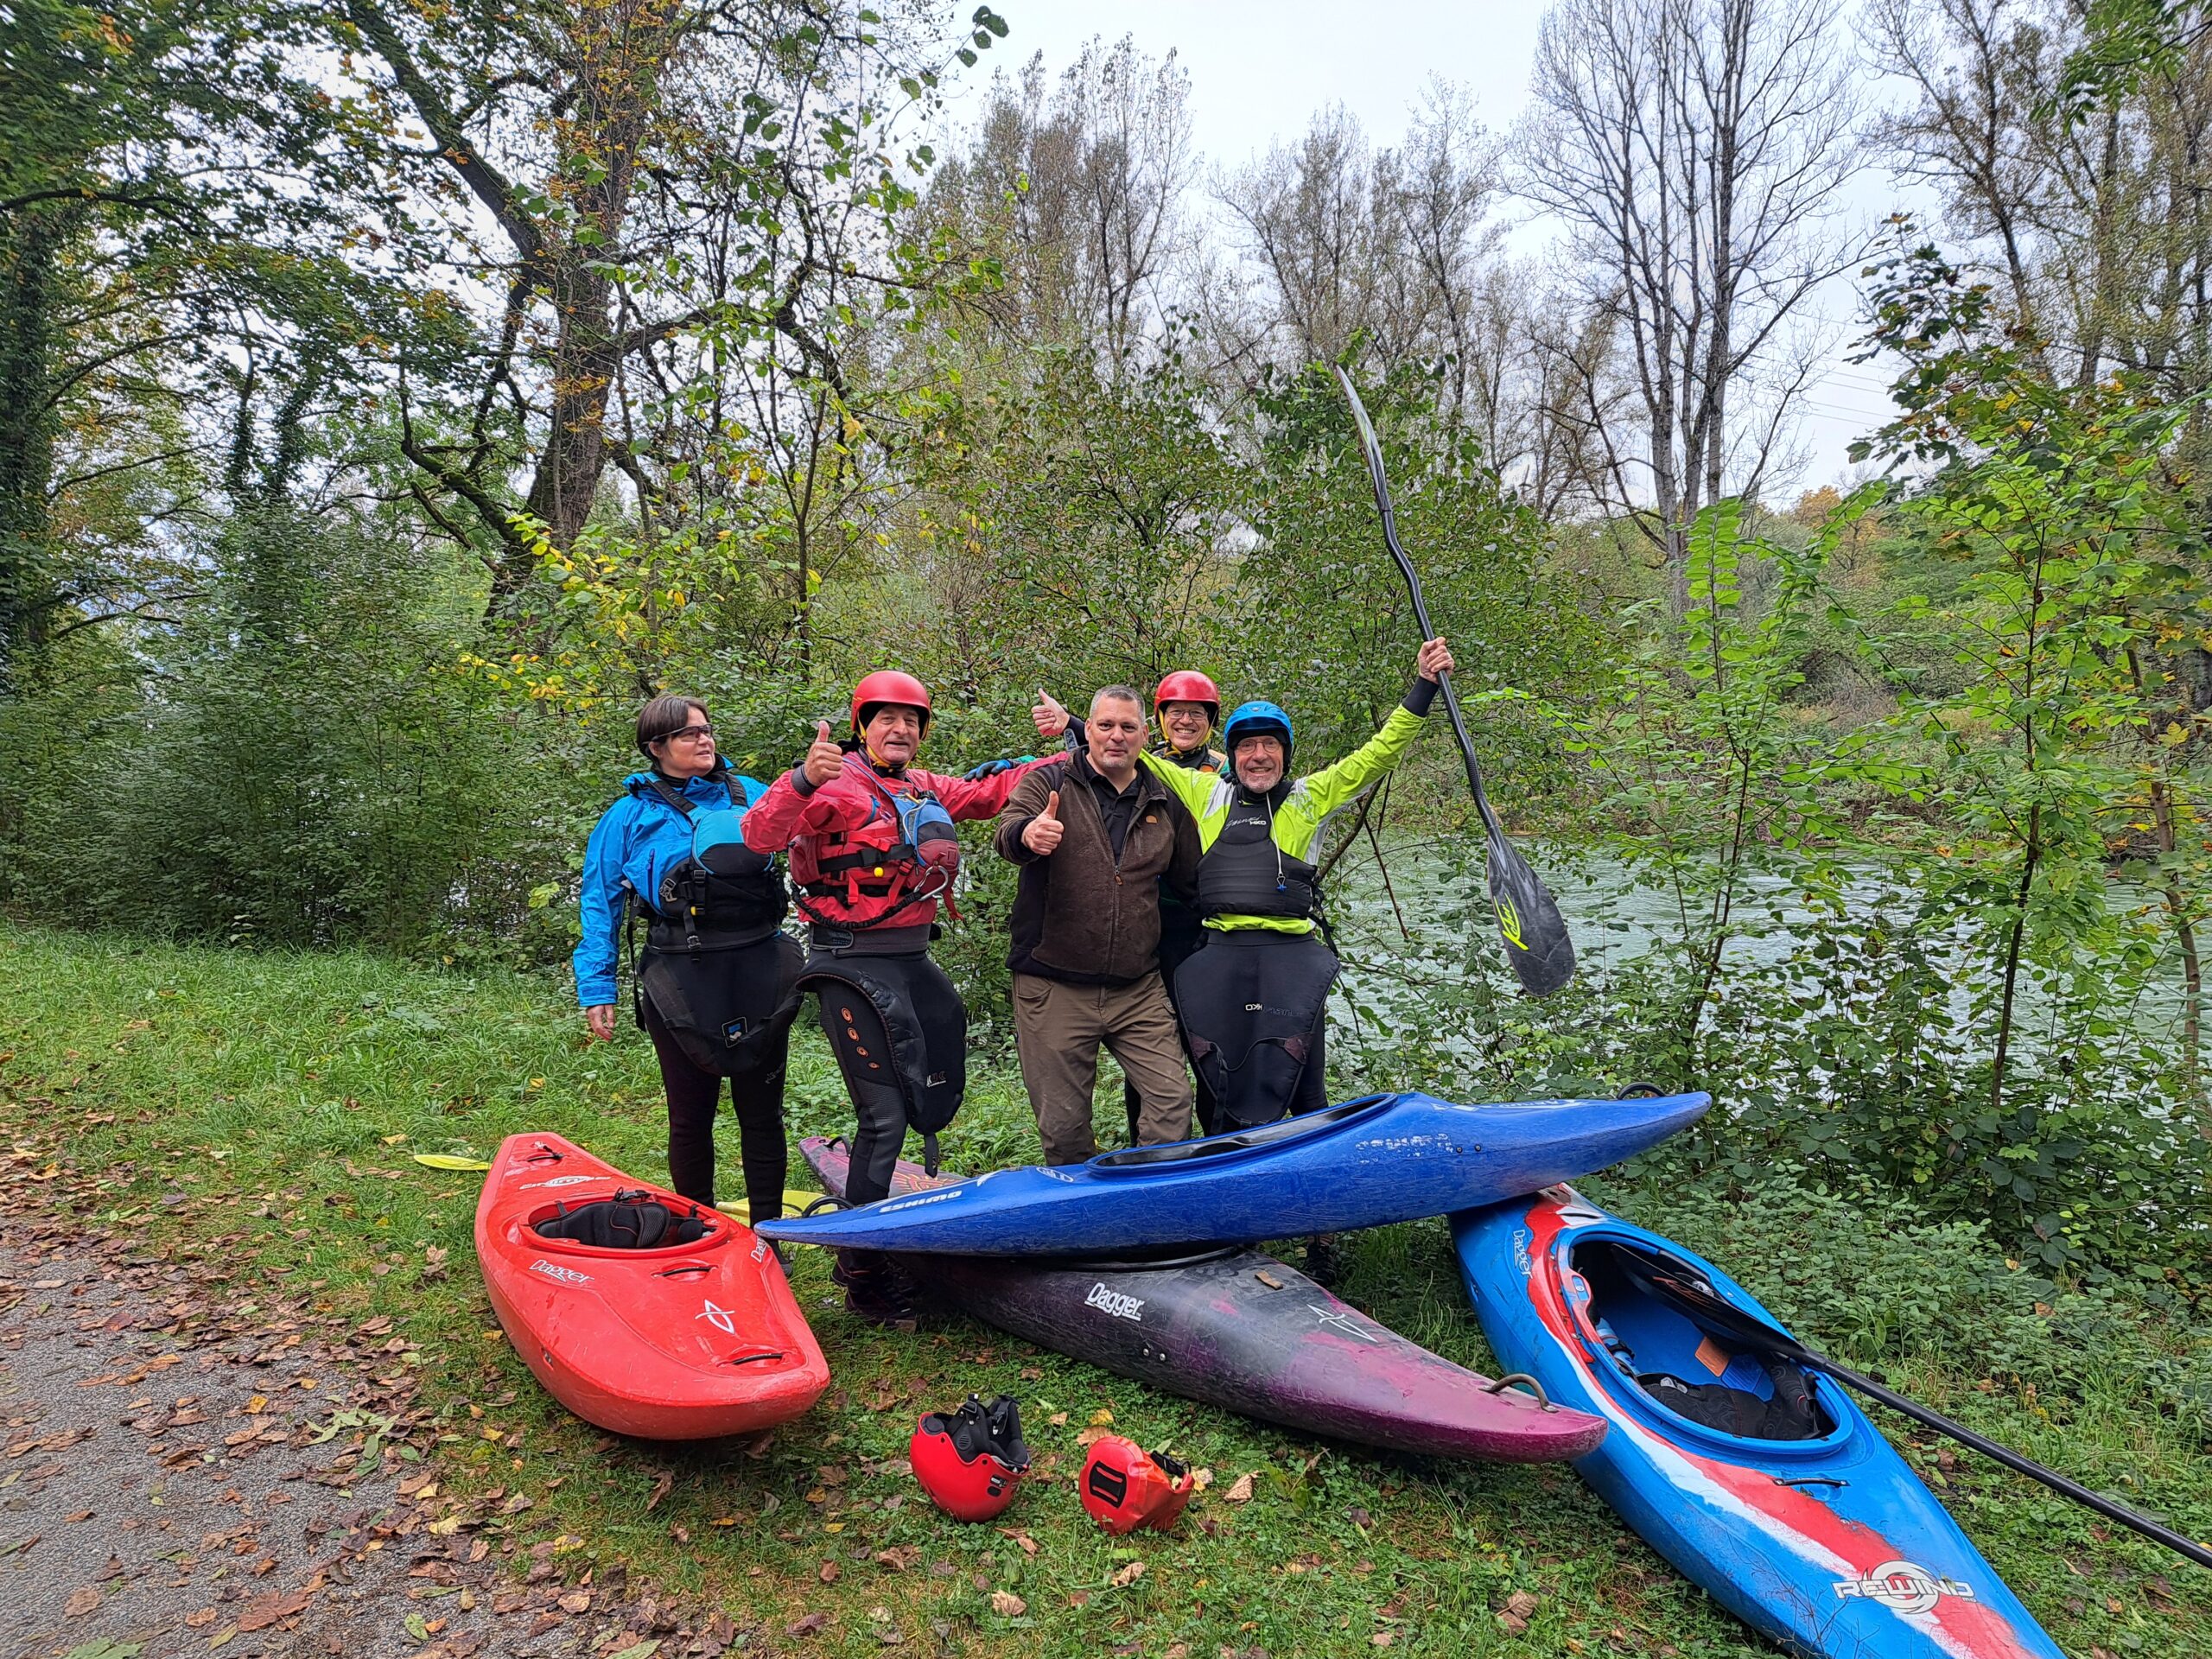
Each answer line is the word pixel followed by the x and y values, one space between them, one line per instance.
pixel 165 177
pixel 649 171
pixel 1694 150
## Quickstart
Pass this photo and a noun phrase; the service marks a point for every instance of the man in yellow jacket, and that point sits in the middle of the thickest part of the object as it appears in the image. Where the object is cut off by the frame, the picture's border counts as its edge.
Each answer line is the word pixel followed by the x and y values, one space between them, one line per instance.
pixel 1253 1001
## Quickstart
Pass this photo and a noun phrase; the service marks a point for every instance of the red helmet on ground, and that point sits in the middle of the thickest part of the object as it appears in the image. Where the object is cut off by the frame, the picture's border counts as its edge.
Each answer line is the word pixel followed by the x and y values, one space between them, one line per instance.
pixel 1188 685
pixel 889 686
pixel 971 1460
pixel 1126 1487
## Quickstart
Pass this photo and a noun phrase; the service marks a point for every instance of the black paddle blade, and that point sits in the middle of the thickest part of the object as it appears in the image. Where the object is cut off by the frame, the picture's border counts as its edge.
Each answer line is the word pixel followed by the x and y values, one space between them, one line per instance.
pixel 1537 943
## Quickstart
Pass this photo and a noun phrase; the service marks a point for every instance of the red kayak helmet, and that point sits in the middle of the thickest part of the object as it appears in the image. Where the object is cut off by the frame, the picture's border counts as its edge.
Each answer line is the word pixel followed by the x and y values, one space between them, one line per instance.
pixel 888 685
pixel 969 1461
pixel 1126 1487
pixel 1187 685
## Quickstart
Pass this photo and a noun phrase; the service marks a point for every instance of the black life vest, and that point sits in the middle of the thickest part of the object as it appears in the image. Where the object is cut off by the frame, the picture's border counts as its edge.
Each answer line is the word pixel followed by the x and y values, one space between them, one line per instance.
pixel 724 893
pixel 1245 873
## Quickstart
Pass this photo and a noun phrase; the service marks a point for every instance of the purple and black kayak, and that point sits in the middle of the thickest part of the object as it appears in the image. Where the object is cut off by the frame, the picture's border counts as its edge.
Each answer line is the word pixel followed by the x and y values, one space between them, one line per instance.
pixel 1239 1330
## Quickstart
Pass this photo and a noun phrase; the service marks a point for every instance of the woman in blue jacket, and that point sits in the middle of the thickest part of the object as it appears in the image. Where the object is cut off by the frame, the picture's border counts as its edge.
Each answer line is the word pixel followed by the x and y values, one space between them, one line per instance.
pixel 717 983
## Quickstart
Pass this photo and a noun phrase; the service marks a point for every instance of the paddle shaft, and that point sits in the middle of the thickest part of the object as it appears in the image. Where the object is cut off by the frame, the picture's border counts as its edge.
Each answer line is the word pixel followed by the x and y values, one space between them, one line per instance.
pixel 1696 1301
pixel 1490 824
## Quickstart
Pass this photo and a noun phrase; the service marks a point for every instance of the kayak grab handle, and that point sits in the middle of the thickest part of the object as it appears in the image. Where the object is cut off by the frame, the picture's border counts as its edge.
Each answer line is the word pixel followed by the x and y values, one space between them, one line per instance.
pixel 1810 1480
pixel 683 1267
pixel 1527 1381
pixel 754 1359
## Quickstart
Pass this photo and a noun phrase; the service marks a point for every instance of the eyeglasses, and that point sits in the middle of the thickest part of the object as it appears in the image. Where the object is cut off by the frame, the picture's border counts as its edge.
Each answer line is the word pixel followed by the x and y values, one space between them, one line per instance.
pixel 686 735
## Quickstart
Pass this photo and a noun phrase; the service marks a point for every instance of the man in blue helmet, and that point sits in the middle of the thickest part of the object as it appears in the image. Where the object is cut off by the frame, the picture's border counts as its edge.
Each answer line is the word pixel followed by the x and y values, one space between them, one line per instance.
pixel 1252 1000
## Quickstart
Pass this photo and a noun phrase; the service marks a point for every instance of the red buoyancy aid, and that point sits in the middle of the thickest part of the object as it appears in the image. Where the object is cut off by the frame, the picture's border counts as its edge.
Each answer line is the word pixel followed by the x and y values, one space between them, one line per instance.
pixel 889 855
pixel 905 854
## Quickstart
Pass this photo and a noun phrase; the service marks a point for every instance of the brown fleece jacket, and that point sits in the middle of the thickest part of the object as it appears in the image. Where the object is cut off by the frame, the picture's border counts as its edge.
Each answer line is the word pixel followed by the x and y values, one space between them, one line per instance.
pixel 1083 916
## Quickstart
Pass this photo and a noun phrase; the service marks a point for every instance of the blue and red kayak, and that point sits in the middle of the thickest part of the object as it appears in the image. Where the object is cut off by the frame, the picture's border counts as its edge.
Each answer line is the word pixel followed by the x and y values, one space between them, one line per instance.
pixel 1368 1163
pixel 1809 1527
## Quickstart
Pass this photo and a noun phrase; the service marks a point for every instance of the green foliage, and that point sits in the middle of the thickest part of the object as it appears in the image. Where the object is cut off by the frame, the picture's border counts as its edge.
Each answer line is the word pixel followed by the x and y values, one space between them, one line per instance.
pixel 313 766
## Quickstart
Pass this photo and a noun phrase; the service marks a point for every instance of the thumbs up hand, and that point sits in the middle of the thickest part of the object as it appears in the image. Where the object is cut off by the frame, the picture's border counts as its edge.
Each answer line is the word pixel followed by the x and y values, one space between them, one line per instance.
pixel 1051 716
pixel 824 759
pixel 1041 835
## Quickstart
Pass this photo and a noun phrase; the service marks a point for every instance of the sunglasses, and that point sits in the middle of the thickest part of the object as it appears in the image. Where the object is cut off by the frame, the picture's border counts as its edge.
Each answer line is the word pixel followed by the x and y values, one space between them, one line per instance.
pixel 686 735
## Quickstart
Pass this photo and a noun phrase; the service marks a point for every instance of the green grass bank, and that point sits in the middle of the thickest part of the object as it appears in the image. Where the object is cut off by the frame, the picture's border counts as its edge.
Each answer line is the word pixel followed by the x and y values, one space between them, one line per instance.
pixel 220 1092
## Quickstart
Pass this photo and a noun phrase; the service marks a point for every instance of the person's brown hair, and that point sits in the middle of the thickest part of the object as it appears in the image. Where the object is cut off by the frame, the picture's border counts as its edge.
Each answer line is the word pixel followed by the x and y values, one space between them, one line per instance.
pixel 666 714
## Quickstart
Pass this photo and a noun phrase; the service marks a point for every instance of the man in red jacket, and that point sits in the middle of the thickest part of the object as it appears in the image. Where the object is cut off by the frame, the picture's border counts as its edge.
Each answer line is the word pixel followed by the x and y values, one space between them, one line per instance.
pixel 873 849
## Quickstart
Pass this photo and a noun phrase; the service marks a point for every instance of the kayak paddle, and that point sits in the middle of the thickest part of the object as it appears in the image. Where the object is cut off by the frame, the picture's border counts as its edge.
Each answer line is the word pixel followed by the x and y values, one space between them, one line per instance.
pixel 1536 941
pixel 1732 1322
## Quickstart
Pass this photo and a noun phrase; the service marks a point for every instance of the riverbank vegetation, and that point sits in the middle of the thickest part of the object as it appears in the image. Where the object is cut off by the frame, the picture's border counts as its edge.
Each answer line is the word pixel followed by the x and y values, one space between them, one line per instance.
pixel 354 490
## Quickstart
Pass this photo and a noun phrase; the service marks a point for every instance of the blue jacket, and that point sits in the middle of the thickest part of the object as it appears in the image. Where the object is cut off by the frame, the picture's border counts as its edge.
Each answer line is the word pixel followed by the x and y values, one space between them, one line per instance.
pixel 633 845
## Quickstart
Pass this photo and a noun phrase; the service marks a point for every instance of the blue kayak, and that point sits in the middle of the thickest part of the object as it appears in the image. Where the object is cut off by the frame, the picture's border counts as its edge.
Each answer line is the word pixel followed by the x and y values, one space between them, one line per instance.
pixel 1367 1163
pixel 1761 1481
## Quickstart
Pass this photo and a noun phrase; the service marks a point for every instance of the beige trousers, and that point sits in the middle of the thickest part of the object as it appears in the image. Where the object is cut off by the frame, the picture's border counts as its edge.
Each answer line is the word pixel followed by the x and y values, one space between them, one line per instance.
pixel 1059 1029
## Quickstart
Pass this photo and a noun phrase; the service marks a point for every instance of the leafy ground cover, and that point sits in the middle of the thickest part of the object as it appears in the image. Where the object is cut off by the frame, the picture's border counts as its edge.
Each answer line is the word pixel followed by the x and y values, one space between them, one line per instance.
pixel 272 1103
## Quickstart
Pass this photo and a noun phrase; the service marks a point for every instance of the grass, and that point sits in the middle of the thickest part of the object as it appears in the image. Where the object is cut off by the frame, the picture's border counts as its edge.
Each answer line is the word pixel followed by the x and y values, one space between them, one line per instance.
pixel 222 1089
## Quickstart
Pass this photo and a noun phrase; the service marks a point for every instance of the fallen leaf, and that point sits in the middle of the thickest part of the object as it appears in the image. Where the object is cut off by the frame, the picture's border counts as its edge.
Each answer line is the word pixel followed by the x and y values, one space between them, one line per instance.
pixel 81 1601
pixel 1058 1419
pixel 827 1573
pixel 1028 1544
pixel 1520 1603
pixel 1240 1489
pixel 577 1602
pixel 201 1619
pixel 1006 1605
pixel 1128 1575
pixel 806 1627
pixel 638 1650
pixel 1382 1638
pixel 1266 1279
pixel 662 1485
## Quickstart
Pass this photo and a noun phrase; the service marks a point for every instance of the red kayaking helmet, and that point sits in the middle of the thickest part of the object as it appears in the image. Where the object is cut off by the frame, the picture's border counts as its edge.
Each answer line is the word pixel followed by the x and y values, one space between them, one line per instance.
pixel 1187 685
pixel 970 1461
pixel 1126 1487
pixel 888 685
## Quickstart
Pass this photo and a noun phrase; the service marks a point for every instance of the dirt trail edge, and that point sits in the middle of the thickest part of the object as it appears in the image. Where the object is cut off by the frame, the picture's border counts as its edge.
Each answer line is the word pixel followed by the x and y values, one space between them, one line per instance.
pixel 195 1462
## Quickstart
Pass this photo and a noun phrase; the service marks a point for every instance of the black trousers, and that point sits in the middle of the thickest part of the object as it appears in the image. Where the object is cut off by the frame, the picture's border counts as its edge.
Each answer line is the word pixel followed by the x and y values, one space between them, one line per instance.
pixel 1255 1010
pixel 757 1094
pixel 878 1103
pixel 1180 937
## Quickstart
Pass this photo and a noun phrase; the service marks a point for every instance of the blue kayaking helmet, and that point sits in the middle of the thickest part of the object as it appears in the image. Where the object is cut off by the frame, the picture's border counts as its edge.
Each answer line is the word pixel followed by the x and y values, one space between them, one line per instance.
pixel 1257 719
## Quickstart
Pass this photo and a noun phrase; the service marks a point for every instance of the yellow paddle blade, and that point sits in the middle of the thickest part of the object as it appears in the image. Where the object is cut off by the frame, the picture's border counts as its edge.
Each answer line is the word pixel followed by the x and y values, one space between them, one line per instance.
pixel 793 1203
pixel 447 1161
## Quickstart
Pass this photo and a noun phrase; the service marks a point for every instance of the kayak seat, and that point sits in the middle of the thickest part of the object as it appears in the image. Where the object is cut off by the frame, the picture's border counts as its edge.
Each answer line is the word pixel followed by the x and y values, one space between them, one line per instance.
pixel 1216 1146
pixel 623 1223
pixel 1688 1369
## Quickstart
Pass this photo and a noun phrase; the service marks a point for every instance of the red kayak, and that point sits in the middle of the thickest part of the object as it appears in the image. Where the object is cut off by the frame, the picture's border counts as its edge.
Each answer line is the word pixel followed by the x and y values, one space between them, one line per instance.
pixel 676 1342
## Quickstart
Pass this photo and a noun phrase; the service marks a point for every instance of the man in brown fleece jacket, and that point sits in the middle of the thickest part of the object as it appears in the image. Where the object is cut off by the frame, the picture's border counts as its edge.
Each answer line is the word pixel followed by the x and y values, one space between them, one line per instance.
pixel 1094 841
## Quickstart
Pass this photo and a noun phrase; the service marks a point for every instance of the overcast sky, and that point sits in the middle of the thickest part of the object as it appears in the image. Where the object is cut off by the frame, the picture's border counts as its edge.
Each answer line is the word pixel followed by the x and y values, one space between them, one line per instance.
pixel 1259 69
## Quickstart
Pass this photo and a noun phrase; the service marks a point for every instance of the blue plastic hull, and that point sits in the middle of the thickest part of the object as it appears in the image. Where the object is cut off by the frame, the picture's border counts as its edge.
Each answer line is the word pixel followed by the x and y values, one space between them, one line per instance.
pixel 1830 1547
pixel 1384 1159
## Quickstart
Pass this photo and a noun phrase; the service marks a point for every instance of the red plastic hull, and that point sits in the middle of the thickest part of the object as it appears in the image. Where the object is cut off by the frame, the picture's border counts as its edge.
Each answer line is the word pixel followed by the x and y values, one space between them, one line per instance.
pixel 686 1343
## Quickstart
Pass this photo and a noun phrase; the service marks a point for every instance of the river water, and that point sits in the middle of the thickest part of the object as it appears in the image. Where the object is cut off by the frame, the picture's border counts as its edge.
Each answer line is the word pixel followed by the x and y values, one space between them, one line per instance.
pixel 1621 909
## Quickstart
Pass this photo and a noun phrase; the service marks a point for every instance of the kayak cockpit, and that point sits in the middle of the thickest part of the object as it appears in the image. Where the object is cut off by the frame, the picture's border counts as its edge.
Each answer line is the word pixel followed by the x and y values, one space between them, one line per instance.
pixel 634 1224
pixel 1236 1140
pixel 1645 1343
